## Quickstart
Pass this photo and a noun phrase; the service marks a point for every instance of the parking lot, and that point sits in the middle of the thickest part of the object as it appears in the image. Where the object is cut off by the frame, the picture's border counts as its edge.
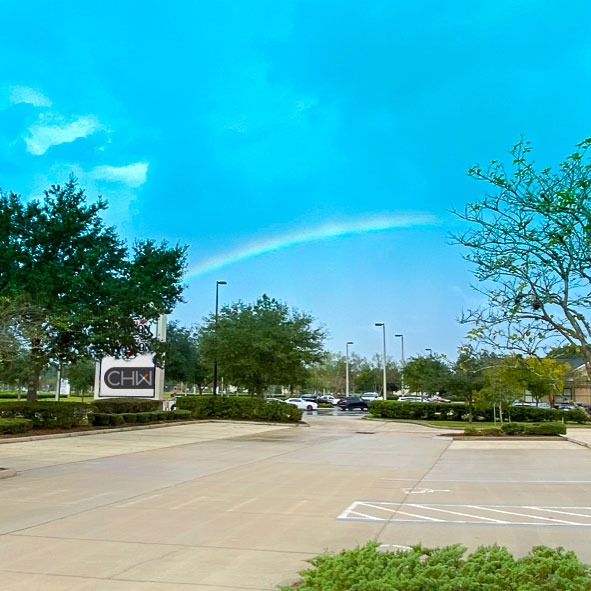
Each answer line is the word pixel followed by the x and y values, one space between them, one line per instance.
pixel 227 506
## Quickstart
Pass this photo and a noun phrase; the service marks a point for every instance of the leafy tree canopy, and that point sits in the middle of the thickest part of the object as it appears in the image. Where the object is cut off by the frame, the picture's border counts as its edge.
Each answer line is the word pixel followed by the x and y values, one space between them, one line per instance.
pixel 426 374
pixel 261 344
pixel 183 361
pixel 530 243
pixel 70 285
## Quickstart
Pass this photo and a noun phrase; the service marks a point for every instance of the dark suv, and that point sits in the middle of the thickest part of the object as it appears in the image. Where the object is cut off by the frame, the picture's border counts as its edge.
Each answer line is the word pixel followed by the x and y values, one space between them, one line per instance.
pixel 351 403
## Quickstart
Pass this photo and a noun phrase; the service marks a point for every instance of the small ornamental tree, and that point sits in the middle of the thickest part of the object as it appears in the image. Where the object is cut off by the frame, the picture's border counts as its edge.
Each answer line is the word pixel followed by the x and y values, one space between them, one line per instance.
pixel 529 240
pixel 70 286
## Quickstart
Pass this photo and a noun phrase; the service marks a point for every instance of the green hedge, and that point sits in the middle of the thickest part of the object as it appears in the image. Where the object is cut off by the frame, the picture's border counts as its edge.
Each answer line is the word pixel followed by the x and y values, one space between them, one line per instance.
pixel 239 408
pixel 519 429
pixel 489 568
pixel 15 425
pixel 458 411
pixel 14 395
pixel 125 405
pixel 49 415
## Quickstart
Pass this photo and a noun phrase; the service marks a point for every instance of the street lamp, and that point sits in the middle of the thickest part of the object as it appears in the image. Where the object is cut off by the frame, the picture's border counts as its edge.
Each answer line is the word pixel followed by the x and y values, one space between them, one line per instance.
pixel 430 352
pixel 347 367
pixel 215 361
pixel 384 342
pixel 401 337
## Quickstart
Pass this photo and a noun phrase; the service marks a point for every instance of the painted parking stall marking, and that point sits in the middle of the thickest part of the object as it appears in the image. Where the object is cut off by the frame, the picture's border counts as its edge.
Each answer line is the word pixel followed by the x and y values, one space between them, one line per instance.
pixel 388 511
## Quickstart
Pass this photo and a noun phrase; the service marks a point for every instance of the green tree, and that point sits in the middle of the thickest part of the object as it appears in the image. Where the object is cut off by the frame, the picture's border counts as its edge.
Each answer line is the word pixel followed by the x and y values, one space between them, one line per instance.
pixel 370 377
pixel 183 361
pixel 544 377
pixel 72 286
pixel 504 383
pixel 427 375
pixel 529 242
pixel 81 375
pixel 261 344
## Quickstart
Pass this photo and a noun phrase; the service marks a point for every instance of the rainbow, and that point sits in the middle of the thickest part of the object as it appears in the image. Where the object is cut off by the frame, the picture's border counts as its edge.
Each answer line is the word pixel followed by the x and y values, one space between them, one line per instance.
pixel 315 234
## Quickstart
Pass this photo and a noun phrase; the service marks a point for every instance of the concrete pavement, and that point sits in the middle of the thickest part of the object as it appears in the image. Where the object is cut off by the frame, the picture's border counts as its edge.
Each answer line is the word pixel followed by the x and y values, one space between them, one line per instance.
pixel 214 506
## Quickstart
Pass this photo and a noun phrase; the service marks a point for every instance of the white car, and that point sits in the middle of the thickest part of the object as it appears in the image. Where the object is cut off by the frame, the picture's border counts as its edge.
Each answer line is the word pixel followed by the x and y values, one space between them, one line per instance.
pixel 369 396
pixel 412 399
pixel 302 404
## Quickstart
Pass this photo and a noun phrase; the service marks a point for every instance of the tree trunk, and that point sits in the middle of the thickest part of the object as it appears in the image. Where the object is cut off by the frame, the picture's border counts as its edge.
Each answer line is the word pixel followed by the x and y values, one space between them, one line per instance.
pixel 33 384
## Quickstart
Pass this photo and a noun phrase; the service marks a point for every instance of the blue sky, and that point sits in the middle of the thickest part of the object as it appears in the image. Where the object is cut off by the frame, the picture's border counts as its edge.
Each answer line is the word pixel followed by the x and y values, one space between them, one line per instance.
pixel 301 130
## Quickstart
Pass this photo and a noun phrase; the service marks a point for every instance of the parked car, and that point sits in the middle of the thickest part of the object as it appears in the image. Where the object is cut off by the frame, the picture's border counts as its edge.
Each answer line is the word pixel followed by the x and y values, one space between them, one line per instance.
pixel 369 396
pixel 438 399
pixel 302 404
pixel 412 399
pixel 328 399
pixel 274 400
pixel 352 403
pixel 311 397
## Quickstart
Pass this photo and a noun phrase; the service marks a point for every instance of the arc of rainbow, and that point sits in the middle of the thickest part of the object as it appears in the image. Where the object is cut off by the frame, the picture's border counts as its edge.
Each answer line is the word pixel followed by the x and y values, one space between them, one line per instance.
pixel 314 234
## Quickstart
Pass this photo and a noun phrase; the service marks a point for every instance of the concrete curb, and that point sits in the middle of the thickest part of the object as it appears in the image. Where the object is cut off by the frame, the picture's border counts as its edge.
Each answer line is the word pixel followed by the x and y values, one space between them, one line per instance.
pixel 7 473
pixel 136 428
pixel 576 441
pixel 410 423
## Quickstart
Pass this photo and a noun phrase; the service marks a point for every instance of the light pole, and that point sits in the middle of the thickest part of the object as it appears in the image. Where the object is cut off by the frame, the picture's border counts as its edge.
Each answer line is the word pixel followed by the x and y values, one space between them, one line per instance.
pixel 430 352
pixel 401 337
pixel 215 361
pixel 384 342
pixel 347 367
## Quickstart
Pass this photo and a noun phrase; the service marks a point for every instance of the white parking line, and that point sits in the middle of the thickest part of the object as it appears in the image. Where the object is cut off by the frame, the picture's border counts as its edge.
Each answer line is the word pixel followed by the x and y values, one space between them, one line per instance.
pixel 137 501
pixel 458 513
pixel 189 502
pixel 389 511
pixel 240 505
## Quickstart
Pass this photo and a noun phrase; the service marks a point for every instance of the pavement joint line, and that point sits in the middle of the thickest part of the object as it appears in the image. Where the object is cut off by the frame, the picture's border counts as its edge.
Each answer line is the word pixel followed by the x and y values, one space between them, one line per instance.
pixel 180 544
pixel 179 483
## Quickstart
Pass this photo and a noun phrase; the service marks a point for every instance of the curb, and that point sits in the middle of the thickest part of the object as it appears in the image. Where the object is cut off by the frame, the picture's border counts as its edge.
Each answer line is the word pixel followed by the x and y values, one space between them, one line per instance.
pixel 366 418
pixel 136 428
pixel 7 473
pixel 576 441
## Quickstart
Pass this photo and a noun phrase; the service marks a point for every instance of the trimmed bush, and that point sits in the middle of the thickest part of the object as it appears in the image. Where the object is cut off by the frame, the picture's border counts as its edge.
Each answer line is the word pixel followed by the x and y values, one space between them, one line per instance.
pixel 239 408
pixel 129 417
pixel 14 395
pixel 143 417
pixel 181 415
pixel 546 429
pixel 489 568
pixel 115 419
pixel 458 411
pixel 101 419
pixel 162 415
pixel 512 428
pixel 125 405
pixel 10 426
pixel 49 415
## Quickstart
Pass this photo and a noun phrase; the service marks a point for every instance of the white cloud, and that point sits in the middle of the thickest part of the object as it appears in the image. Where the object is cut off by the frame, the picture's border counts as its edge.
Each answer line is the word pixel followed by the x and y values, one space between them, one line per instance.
pixel 46 134
pixel 24 94
pixel 132 175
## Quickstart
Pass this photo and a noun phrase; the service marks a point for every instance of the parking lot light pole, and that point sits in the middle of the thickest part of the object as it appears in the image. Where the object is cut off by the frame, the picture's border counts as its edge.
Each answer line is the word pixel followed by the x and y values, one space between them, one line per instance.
pixel 384 343
pixel 430 352
pixel 401 337
pixel 347 367
pixel 215 361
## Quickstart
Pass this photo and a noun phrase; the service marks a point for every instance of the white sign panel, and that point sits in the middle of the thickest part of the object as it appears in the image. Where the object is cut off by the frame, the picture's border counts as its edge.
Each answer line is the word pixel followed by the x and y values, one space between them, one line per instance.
pixel 128 377
pixel 138 377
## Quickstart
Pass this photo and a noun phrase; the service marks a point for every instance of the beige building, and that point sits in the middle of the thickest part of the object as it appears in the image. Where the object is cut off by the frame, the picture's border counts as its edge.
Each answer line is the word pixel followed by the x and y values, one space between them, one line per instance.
pixel 577 386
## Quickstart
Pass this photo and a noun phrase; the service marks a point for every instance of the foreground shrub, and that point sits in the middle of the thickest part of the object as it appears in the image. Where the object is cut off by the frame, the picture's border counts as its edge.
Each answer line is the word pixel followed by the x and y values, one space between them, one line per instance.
pixel 9 426
pixel 129 417
pixel 49 415
pixel 125 405
pixel 100 419
pixel 489 568
pixel 239 408
pixel 13 395
pixel 180 415
pixel 513 428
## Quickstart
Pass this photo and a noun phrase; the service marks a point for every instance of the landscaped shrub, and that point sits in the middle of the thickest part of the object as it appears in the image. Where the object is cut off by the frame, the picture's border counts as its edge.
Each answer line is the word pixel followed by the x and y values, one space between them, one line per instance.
pixel 546 429
pixel 144 417
pixel 162 415
pixel 512 428
pixel 14 395
pixel 489 568
pixel 49 415
pixel 9 426
pixel 124 405
pixel 458 411
pixel 115 419
pixel 129 417
pixel 180 414
pixel 101 419
pixel 238 408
